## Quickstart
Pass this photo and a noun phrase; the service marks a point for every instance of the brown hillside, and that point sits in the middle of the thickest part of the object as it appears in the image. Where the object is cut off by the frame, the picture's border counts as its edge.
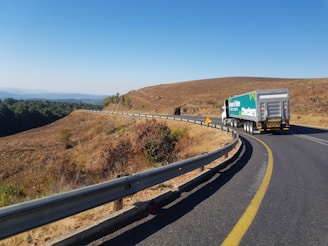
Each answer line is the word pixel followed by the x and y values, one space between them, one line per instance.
pixel 39 162
pixel 308 97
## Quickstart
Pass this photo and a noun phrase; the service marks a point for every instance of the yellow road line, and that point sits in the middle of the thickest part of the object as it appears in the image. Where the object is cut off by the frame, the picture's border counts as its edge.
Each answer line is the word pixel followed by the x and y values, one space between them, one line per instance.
pixel 248 216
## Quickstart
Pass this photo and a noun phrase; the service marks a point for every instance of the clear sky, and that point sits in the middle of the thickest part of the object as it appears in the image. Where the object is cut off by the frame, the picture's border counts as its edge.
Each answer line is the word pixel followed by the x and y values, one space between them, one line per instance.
pixel 114 46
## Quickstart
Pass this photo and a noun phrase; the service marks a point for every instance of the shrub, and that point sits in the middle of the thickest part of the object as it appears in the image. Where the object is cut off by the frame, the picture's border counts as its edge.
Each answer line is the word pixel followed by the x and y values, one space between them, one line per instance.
pixel 65 137
pixel 157 140
pixel 69 173
pixel 118 156
pixel 10 194
pixel 178 133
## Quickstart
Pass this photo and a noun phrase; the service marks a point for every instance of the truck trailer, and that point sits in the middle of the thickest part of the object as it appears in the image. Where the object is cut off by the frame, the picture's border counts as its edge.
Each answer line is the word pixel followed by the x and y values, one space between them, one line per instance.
pixel 258 111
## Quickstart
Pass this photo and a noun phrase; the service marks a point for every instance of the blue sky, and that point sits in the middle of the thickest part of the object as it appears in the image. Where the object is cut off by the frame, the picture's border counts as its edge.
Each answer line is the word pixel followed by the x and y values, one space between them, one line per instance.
pixel 109 47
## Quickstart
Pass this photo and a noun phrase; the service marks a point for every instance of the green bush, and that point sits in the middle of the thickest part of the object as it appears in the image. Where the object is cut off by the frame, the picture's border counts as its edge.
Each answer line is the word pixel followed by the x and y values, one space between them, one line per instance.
pixel 10 194
pixel 161 145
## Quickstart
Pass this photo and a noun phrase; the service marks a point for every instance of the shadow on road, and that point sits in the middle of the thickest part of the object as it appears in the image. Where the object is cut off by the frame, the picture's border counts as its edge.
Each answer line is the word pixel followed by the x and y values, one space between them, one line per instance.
pixel 306 130
pixel 166 216
pixel 295 130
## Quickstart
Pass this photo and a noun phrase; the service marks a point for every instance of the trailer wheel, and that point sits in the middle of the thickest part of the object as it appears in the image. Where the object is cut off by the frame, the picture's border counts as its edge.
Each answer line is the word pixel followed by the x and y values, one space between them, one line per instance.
pixel 251 128
pixel 245 126
pixel 248 126
pixel 235 123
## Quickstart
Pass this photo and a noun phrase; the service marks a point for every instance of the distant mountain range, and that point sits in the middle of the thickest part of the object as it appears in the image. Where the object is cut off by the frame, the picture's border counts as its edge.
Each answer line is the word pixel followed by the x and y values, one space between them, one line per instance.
pixel 25 94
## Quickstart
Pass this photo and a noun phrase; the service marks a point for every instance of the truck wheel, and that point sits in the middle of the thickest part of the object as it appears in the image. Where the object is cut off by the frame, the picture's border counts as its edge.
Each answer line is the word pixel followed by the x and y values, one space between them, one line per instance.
pixel 251 128
pixel 245 126
pixel 236 123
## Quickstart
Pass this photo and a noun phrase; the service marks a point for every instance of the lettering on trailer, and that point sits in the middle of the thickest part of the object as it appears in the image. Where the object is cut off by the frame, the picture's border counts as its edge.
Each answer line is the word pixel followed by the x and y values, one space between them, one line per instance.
pixel 248 112
pixel 234 106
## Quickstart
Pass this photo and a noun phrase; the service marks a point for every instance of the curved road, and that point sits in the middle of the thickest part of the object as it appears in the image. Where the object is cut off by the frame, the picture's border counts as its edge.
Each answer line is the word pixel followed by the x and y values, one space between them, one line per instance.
pixel 294 210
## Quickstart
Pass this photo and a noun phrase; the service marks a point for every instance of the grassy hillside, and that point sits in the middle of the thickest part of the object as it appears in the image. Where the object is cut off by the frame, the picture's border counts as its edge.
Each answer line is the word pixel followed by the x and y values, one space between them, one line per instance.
pixel 78 149
pixel 308 97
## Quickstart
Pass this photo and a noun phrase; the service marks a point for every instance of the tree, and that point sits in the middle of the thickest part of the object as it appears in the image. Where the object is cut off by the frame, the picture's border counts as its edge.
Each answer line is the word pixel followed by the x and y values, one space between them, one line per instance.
pixel 20 115
pixel 8 120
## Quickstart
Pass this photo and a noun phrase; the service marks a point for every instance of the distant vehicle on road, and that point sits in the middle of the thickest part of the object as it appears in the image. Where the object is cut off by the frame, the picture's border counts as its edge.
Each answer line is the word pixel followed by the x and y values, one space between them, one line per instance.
pixel 258 111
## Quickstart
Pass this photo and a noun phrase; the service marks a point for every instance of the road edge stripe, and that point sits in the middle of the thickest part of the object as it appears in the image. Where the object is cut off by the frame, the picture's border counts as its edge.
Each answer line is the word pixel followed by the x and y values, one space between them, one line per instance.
pixel 240 229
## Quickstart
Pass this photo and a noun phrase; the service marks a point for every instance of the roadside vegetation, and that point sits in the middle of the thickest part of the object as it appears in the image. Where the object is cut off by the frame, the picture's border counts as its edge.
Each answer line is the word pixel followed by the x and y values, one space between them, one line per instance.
pixel 37 162
pixel 86 148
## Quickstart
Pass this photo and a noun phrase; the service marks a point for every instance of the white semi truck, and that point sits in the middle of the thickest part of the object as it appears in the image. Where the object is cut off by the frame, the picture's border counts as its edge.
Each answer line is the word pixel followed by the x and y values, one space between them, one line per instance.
pixel 258 111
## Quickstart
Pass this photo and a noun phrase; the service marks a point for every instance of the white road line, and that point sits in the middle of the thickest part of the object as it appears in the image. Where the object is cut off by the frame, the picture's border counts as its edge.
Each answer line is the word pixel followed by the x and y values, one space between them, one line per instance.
pixel 313 139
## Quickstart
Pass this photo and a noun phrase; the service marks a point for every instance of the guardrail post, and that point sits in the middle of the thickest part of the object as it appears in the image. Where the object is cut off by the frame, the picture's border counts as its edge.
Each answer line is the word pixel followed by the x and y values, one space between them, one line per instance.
pixel 118 204
pixel 226 154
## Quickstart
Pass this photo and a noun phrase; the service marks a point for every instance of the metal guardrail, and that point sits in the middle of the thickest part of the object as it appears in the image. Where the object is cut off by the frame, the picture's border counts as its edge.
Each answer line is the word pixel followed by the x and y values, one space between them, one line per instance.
pixel 24 216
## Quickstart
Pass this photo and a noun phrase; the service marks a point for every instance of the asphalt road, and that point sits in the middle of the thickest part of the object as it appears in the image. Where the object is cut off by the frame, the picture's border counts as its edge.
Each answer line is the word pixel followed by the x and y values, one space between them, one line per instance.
pixel 294 210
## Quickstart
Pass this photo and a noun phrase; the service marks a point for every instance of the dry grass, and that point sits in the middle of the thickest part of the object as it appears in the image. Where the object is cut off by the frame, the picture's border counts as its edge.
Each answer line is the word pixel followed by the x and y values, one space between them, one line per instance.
pixel 320 121
pixel 28 159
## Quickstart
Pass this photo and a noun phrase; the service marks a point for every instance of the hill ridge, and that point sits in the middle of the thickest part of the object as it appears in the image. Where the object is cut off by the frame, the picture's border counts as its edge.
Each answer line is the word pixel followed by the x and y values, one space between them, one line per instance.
pixel 308 96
